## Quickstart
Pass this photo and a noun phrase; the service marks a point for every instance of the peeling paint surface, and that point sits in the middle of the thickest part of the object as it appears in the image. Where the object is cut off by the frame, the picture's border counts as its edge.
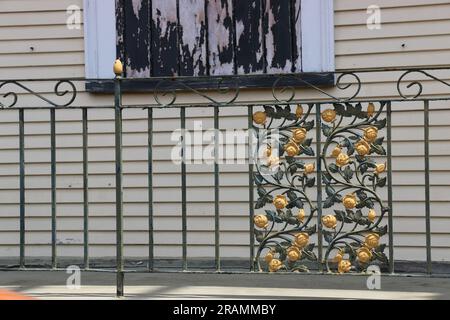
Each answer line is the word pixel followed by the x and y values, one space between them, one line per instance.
pixel 249 50
pixel 208 37
pixel 193 37
pixel 278 37
pixel 137 5
pixel 165 52
pixel 220 36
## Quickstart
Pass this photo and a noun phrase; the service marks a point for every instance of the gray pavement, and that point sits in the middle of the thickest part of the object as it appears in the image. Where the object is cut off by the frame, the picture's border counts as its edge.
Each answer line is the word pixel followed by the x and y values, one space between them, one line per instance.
pixel 96 285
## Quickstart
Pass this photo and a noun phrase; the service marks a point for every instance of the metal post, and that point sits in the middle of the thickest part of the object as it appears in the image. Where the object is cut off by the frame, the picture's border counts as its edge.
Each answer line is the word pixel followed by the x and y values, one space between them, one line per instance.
pixel 53 183
pixel 22 186
pixel 427 183
pixel 150 190
pixel 319 157
pixel 119 187
pixel 251 190
pixel 183 189
pixel 216 189
pixel 85 189
pixel 389 175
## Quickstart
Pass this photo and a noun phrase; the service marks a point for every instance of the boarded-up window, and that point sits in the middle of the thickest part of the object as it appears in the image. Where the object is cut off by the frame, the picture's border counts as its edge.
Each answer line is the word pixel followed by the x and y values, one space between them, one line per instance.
pixel 209 37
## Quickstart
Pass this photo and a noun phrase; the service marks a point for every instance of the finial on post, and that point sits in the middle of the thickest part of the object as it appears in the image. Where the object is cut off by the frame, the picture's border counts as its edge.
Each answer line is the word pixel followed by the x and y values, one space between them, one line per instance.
pixel 118 68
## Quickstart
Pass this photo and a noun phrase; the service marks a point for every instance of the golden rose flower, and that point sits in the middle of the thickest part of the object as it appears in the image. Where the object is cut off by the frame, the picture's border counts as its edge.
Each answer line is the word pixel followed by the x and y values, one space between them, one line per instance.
pixel 299 111
pixel 309 168
pixel 291 149
pixel 273 161
pixel 344 266
pixel 370 109
pixel 259 117
pixel 298 135
pixel 339 256
pixel 342 159
pixel 380 168
pixel 329 221
pixel 280 201
pixel 372 240
pixel 362 147
pixel 328 115
pixel 301 239
pixel 275 265
pixel 336 152
pixel 364 255
pixel 261 221
pixel 293 254
pixel 372 215
pixel 269 256
pixel 301 215
pixel 370 134
pixel 349 201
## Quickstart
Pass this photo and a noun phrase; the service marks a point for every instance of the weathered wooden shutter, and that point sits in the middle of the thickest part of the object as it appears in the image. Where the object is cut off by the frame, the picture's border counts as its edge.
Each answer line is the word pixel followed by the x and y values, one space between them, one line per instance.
pixel 160 38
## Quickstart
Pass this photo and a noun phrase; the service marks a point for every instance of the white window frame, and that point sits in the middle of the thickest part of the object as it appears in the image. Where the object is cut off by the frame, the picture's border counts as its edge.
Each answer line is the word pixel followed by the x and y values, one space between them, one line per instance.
pixel 317 19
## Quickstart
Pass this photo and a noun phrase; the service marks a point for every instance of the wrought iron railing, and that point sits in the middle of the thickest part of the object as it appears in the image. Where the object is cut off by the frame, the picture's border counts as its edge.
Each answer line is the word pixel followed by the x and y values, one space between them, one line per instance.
pixel 323 163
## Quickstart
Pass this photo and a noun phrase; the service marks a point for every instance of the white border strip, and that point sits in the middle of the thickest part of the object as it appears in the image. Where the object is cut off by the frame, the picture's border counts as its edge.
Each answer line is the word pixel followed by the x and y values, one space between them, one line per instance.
pixel 99 38
pixel 317 19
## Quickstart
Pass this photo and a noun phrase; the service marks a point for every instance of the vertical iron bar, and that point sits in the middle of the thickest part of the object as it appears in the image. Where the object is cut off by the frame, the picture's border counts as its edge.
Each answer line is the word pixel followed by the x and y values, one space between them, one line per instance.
pixel 319 158
pixel 85 189
pixel 183 188
pixel 150 190
pixel 389 174
pixel 53 183
pixel 22 186
pixel 427 183
pixel 216 188
pixel 119 187
pixel 251 188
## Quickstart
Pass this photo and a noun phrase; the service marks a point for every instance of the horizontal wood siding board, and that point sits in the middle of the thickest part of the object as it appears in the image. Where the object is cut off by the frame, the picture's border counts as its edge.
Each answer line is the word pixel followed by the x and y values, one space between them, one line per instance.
pixel 254 81
pixel 165 38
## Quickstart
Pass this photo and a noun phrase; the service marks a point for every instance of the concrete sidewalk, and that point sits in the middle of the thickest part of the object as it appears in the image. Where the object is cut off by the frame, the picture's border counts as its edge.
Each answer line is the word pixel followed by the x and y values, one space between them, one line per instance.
pixel 95 285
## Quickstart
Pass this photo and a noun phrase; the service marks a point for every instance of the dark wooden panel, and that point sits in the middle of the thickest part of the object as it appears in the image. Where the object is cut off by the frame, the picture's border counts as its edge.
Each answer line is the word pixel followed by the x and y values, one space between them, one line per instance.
pixel 120 29
pixel 297 36
pixel 220 37
pixel 165 49
pixel 251 81
pixel 278 36
pixel 249 37
pixel 137 38
pixel 192 37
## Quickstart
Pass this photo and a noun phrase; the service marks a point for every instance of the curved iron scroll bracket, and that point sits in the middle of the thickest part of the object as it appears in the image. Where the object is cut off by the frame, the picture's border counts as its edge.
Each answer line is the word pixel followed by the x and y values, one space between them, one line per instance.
pixel 168 89
pixel 58 91
pixel 416 83
pixel 290 91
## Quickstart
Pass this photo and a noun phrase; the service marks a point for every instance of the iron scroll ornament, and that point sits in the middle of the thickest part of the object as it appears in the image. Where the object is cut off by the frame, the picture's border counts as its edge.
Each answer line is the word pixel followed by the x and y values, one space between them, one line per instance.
pixel 284 231
pixel 351 182
pixel 58 90
pixel 353 228
pixel 415 83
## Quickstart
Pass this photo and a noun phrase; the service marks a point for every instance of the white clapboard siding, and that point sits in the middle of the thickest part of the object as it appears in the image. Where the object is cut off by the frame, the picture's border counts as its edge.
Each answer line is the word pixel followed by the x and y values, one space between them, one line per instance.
pixel 36 43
